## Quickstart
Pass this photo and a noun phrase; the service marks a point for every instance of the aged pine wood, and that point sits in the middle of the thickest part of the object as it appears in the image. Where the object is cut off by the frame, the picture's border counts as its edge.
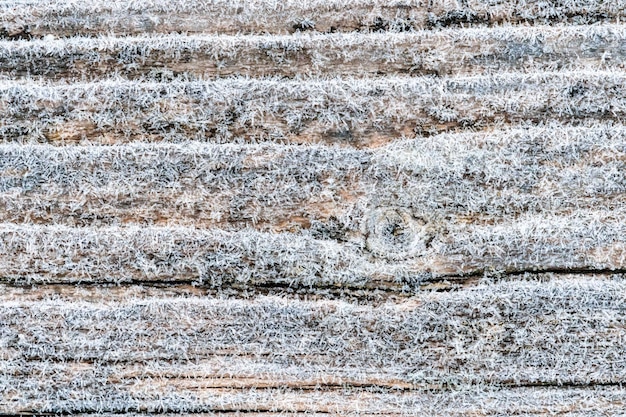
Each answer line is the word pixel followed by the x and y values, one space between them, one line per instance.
pixel 346 112
pixel 440 53
pixel 334 207
pixel 32 20
pixel 145 350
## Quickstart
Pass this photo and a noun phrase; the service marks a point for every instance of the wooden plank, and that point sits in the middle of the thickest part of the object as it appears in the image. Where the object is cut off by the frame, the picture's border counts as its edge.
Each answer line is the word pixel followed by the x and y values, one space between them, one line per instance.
pixel 345 112
pixel 586 241
pixel 482 178
pixel 331 207
pixel 41 254
pixel 540 199
pixel 440 53
pixel 148 352
pixel 536 402
pixel 32 20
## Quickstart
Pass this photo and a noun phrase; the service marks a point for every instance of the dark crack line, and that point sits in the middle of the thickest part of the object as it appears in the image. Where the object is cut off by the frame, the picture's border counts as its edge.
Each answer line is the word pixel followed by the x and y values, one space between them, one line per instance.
pixel 461 281
pixel 209 410
pixel 564 384
pixel 384 288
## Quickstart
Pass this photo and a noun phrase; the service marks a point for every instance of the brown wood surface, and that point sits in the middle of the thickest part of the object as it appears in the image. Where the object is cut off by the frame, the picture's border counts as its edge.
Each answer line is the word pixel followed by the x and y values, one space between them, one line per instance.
pixel 34 20
pixel 333 207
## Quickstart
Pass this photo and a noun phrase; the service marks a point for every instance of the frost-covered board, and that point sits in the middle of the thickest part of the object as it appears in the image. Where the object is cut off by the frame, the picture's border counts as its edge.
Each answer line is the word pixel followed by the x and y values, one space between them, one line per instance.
pixel 332 207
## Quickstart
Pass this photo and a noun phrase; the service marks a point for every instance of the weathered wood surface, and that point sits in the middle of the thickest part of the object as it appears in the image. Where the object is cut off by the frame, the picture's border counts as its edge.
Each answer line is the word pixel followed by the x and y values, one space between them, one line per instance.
pixel 133 349
pixel 451 204
pixel 334 207
pixel 361 113
pixel 36 19
pixel 439 52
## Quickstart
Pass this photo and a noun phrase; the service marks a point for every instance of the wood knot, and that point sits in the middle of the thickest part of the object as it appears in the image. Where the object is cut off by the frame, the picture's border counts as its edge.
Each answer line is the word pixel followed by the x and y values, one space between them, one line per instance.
pixel 394 233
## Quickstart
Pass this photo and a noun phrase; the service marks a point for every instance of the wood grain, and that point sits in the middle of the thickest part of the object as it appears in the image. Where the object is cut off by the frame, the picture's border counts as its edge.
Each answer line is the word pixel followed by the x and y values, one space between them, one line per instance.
pixel 199 353
pixel 440 53
pixel 343 112
pixel 32 20
pixel 333 207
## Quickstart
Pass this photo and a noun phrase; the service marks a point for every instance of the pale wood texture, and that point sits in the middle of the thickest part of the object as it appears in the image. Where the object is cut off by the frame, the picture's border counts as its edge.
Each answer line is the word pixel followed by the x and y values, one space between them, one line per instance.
pixel 339 207
pixel 147 348
pixel 32 20
pixel 439 53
